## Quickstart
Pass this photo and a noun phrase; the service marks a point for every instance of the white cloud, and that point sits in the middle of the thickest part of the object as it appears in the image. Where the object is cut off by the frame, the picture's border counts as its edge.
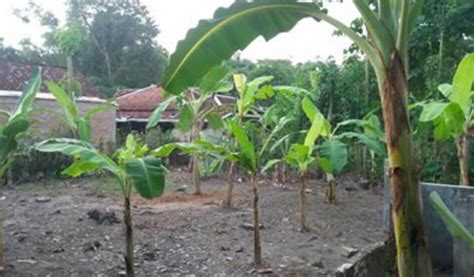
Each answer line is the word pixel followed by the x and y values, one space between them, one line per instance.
pixel 307 41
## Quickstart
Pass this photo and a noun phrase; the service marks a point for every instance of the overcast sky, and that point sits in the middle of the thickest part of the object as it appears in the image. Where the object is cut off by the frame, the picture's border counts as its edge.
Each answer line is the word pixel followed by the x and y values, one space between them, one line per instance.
pixel 307 41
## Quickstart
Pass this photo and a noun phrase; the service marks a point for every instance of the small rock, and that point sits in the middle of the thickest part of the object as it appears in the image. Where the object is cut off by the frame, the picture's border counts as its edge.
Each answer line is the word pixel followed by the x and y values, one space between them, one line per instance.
pixel 107 238
pixel 229 259
pixel 225 248
pixel 49 232
pixel 182 188
pixel 343 268
pixel 349 251
pixel 249 226
pixel 318 263
pixel 42 199
pixel 349 188
pixel 122 273
pixel 149 256
pixel 308 191
pixel 92 247
pixel 21 238
pixel 264 270
pixel 239 249
pixel 107 218
pixel 26 261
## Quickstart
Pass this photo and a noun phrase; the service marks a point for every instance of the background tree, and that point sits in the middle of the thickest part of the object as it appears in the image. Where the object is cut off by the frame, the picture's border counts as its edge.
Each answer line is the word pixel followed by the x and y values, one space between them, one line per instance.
pixel 118 45
pixel 69 41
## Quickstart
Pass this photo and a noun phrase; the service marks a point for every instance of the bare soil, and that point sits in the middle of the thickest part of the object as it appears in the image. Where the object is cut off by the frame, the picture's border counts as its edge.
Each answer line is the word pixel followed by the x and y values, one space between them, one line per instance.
pixel 48 231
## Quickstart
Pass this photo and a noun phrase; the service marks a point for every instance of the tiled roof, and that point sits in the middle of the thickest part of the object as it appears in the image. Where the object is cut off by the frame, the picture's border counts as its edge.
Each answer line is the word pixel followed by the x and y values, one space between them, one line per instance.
pixel 14 76
pixel 140 104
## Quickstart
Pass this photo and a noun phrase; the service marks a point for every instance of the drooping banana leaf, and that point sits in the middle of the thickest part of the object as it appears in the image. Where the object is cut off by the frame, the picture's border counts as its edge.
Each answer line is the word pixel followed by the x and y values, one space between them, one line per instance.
pixel 29 94
pixel 462 83
pixel 247 155
pixel 67 104
pixel 336 153
pixel 87 157
pixel 455 227
pixel 231 29
pixel 147 175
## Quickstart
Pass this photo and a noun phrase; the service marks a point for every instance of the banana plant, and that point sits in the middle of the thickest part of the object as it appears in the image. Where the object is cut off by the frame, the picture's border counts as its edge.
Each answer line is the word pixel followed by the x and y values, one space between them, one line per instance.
pixel 248 93
pixel 390 24
pixel 12 127
pixel 133 167
pixel 453 117
pixel 286 103
pixel 249 159
pixel 333 150
pixel 17 123
pixel 195 109
pixel 79 124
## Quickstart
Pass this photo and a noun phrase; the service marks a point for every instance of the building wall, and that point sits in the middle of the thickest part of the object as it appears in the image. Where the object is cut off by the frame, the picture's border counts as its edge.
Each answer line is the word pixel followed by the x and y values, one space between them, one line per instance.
pixel 48 123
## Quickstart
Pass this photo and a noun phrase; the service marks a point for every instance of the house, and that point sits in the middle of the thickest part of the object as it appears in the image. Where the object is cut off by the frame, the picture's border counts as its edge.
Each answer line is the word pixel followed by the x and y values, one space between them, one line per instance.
pixel 47 114
pixel 136 106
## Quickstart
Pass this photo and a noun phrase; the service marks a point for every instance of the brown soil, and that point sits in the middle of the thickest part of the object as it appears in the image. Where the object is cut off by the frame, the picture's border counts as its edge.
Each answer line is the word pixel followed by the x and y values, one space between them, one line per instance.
pixel 182 233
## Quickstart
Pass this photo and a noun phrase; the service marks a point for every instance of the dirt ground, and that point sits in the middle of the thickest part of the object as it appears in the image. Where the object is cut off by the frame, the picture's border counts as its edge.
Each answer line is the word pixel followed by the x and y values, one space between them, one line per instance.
pixel 48 231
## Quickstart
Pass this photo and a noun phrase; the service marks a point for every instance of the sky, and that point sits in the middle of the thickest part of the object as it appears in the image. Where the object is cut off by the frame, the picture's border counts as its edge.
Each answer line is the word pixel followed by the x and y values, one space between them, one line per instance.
pixel 309 40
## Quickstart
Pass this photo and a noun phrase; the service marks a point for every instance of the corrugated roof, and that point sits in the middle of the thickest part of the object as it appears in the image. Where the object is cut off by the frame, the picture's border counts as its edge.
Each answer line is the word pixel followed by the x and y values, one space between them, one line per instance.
pixel 14 76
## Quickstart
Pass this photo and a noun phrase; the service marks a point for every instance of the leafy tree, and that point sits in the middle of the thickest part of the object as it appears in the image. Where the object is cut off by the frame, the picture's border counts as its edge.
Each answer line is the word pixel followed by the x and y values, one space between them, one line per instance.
pixel 119 46
pixel 69 40
pixel 133 168
pixel 283 71
pixel 453 117
pixel 390 26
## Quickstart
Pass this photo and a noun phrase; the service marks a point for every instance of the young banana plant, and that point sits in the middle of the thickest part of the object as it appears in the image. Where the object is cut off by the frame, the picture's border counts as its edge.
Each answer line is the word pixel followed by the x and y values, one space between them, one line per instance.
pixel 133 167
pixel 195 110
pixel 390 24
pixel 79 124
pixel 453 117
pixel 12 126
pixel 17 123
pixel 248 93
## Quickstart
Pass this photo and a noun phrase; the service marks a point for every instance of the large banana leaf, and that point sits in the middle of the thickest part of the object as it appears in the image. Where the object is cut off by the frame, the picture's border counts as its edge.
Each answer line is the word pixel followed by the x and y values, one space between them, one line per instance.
pixel 29 94
pixel 335 152
pixel 158 112
pixel 231 29
pixel 87 157
pixel 8 137
pixel 66 102
pixel 462 83
pixel 455 227
pixel 147 175
pixel 247 156
pixel 215 80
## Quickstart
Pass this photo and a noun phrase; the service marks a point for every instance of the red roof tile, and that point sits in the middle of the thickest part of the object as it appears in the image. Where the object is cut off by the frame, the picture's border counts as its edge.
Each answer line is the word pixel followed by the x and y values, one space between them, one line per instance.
pixel 141 103
pixel 14 76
